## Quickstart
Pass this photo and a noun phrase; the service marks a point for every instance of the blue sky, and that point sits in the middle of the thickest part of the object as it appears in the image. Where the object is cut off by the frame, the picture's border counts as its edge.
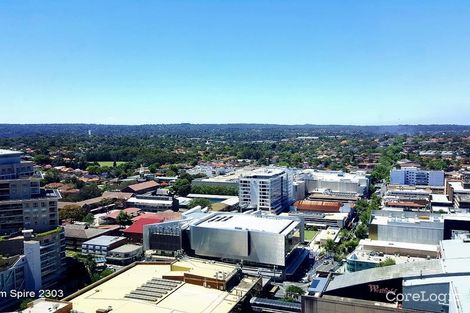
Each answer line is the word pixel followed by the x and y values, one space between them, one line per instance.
pixel 286 62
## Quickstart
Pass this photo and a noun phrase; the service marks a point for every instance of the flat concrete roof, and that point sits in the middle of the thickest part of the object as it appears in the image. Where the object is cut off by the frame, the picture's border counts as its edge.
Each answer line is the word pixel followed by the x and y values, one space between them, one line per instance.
pixel 42 305
pixel 404 270
pixel 204 196
pixel 440 198
pixel 103 240
pixel 5 152
pixel 396 244
pixel 455 249
pixel 263 173
pixel 458 217
pixel 373 257
pixel 411 221
pixel 457 185
pixel 184 298
pixel 246 222
pixel 127 248
pixel 230 177
pixel 149 201
pixel 326 234
pixel 337 175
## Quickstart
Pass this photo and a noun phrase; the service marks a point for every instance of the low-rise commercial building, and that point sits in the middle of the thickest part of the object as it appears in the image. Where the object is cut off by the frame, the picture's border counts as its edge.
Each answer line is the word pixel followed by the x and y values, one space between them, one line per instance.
pixel 169 287
pixel 248 238
pixel 459 193
pixel 141 188
pixel 157 201
pixel 77 234
pixel 426 286
pixel 362 258
pixel 125 254
pixel 102 245
pixel 256 239
pixel 336 181
pixel 400 248
pixel 414 228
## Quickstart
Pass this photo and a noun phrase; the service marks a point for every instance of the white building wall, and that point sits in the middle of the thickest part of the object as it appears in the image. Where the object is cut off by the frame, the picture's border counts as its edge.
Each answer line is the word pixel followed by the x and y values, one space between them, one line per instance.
pixel 397 177
pixel 436 178
pixel 410 233
pixel 336 181
pixel 265 193
pixel 412 176
pixel 32 251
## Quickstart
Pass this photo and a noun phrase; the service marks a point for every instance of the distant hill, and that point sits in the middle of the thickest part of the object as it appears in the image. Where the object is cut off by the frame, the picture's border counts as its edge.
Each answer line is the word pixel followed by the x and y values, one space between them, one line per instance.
pixel 222 130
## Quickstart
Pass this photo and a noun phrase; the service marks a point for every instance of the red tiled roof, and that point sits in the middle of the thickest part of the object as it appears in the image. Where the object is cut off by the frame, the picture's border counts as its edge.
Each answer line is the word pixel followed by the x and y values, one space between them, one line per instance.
pixel 166 215
pixel 318 206
pixel 403 204
pixel 54 185
pixel 114 213
pixel 138 226
pixel 142 186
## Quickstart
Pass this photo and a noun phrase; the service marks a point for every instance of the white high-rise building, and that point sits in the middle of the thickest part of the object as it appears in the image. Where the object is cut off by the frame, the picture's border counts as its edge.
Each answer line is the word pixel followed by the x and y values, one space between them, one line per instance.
pixel 268 189
pixel 413 176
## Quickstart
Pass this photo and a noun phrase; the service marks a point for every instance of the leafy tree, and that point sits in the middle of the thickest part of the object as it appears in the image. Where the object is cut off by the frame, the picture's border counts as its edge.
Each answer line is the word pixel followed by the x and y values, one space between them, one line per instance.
pixel 361 231
pixel 89 261
pixel 89 191
pixel 293 293
pixel 201 202
pixel 375 202
pixel 42 159
pixel 97 276
pixel 170 173
pixel 350 245
pixel 123 218
pixel 153 168
pixel 214 190
pixel 182 187
pixel 329 246
pixel 94 169
pixel 173 168
pixel 89 219
pixel 72 212
pixel 387 262
pixel 24 303
pixel 51 176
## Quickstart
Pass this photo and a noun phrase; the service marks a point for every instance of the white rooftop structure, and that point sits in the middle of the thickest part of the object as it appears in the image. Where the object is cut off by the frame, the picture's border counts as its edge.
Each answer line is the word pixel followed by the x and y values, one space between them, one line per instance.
pixel 336 181
pixel 440 198
pixel 104 240
pixel 9 152
pixel 458 187
pixel 134 201
pixel 336 175
pixel 43 305
pixel 246 222
pixel 264 172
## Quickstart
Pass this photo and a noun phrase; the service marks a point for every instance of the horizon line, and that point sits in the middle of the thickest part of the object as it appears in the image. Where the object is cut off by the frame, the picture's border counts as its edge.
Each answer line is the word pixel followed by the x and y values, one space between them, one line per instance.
pixel 234 123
